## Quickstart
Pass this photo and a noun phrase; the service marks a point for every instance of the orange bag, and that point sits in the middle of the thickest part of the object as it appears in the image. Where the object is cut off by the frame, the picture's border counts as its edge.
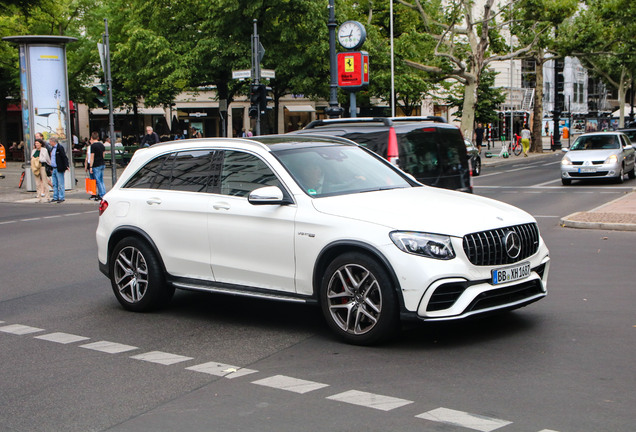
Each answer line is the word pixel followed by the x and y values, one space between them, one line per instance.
pixel 91 186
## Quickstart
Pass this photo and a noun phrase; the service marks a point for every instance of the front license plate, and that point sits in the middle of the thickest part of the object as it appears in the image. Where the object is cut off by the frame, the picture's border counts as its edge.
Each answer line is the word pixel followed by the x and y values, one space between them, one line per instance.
pixel 587 170
pixel 510 274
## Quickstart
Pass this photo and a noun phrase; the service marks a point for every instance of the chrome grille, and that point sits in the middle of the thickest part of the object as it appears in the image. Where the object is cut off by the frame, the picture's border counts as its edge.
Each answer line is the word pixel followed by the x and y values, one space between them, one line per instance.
pixel 487 248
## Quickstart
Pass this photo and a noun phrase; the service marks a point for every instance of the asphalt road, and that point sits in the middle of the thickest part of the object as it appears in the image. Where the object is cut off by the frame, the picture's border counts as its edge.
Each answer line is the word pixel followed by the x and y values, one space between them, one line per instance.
pixel 72 360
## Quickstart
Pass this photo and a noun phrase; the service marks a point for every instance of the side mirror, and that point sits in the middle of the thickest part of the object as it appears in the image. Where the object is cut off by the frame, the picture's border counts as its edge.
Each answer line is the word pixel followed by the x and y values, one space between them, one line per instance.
pixel 268 195
pixel 565 149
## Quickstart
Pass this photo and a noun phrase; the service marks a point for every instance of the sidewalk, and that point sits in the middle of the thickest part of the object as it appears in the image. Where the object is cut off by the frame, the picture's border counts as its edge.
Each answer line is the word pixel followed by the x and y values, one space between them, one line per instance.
pixel 10 192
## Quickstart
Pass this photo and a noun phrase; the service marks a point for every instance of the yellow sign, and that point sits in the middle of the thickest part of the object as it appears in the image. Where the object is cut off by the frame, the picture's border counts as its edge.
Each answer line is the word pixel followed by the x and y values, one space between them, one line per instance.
pixel 349 64
pixel 49 56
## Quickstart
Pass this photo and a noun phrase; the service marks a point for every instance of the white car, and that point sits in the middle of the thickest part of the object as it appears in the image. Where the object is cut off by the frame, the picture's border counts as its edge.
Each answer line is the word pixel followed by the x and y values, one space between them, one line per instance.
pixel 599 155
pixel 313 219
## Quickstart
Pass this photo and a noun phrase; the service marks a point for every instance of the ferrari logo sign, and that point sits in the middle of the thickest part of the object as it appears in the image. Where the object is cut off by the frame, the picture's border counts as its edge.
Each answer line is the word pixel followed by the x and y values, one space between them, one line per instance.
pixel 353 69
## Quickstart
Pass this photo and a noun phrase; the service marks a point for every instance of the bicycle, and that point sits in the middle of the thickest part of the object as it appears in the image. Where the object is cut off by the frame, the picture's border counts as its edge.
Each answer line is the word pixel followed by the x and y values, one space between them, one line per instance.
pixel 516 147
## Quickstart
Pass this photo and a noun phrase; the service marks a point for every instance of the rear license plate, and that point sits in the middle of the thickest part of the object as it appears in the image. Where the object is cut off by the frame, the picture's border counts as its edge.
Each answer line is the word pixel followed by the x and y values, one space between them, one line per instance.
pixel 510 274
pixel 587 170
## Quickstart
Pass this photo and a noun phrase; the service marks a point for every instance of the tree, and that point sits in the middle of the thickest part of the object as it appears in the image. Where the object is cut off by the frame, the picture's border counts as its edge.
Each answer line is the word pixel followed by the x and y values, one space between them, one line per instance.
pixel 550 13
pixel 601 36
pixel 489 100
pixel 466 45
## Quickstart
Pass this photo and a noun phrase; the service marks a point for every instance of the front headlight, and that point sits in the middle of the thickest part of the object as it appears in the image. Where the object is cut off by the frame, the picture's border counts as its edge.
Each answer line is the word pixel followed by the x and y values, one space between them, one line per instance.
pixel 611 160
pixel 424 244
pixel 566 161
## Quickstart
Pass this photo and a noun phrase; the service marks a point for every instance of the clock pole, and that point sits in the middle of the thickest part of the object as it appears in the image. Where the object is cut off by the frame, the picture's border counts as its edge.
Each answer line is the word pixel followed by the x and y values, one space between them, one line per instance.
pixel 333 111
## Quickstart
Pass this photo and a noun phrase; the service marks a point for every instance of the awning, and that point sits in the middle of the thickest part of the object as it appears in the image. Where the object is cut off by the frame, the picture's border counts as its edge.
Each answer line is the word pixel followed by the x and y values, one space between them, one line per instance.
pixel 119 111
pixel 300 108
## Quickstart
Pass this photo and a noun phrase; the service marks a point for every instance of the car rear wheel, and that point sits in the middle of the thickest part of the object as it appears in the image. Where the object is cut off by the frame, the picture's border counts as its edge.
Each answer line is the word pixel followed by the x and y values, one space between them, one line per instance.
pixel 358 299
pixel 136 276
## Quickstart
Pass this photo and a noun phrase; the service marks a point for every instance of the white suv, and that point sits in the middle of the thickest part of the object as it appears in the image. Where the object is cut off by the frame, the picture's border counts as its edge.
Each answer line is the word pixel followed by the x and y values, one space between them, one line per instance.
pixel 313 219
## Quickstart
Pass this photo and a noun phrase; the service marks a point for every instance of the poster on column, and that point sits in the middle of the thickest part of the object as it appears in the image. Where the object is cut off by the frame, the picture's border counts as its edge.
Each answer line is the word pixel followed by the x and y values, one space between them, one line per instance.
pixel 49 97
pixel 48 93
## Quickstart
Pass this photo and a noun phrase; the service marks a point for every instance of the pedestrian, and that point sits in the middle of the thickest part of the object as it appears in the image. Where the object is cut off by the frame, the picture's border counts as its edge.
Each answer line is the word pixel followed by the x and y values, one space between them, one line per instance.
pixel 39 136
pixel 525 140
pixel 59 162
pixel 97 164
pixel 479 136
pixel 150 138
pixel 40 158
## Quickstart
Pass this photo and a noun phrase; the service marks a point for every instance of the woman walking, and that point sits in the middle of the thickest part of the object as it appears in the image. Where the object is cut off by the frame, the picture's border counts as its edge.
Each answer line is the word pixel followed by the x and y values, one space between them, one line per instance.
pixel 39 159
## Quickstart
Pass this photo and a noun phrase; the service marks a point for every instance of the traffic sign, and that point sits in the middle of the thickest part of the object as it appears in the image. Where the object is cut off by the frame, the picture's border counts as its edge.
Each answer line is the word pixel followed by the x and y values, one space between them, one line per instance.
pixel 242 74
pixel 268 73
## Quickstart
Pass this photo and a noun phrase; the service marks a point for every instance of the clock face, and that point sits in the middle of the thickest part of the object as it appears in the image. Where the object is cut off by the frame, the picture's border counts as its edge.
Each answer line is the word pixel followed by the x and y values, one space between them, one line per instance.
pixel 351 34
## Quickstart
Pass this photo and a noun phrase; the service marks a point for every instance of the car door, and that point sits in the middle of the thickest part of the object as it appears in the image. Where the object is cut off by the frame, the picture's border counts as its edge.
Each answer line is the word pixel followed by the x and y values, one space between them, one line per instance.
pixel 252 245
pixel 172 202
pixel 628 153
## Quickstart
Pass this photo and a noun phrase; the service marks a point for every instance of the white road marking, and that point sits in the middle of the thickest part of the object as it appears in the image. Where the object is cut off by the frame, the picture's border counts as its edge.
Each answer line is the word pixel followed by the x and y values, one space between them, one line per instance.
pixel 161 357
pixel 7 222
pixel 19 329
pixel 220 369
pixel 370 400
pixel 63 338
pixel 295 385
pixel 108 347
pixel 548 430
pixel 464 419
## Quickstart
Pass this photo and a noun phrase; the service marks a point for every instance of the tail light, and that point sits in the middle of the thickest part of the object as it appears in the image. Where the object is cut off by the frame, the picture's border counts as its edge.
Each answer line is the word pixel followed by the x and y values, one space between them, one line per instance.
pixel 392 151
pixel 103 205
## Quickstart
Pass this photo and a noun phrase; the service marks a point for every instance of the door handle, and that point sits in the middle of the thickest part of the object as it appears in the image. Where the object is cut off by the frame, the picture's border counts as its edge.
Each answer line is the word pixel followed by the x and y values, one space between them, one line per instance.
pixel 152 201
pixel 221 206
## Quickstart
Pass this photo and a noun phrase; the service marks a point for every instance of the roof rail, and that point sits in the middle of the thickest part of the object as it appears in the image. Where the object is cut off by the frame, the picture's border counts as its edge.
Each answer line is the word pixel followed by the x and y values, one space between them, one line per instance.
pixel 387 121
pixel 316 123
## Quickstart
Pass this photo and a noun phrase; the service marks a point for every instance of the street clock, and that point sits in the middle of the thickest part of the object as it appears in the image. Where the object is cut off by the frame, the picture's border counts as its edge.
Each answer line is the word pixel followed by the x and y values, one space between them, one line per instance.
pixel 351 35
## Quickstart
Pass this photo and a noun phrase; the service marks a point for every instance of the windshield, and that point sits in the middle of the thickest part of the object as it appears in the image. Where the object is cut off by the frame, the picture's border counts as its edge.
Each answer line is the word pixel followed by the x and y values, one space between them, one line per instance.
pixel 596 142
pixel 337 170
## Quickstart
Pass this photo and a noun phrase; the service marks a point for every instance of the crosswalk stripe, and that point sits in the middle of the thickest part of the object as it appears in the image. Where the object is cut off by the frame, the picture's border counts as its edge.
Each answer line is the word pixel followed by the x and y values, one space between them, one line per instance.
pixel 19 329
pixel 370 400
pixel 63 338
pixel 220 369
pixel 161 357
pixel 108 347
pixel 295 385
pixel 464 419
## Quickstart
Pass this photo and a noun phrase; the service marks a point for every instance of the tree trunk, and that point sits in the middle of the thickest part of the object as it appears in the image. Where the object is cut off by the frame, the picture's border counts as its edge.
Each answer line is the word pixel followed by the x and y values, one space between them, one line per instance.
pixel 537 114
pixel 468 109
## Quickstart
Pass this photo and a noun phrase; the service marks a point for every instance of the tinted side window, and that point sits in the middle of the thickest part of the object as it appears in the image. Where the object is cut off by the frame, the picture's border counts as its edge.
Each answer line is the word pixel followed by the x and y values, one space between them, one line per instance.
pixel 152 174
pixel 244 172
pixel 377 142
pixel 192 170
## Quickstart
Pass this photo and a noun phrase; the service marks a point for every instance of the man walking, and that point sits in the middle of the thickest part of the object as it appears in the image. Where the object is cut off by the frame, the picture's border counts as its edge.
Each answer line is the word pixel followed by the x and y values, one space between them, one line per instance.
pixel 97 164
pixel 59 162
pixel 479 136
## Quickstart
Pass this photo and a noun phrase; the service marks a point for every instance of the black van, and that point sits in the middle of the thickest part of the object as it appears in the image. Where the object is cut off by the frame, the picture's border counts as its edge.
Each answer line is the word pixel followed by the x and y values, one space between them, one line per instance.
pixel 429 149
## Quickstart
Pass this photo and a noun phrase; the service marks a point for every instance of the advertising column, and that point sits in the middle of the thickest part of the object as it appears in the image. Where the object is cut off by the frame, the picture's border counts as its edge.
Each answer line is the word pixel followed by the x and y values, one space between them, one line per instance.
pixel 44 96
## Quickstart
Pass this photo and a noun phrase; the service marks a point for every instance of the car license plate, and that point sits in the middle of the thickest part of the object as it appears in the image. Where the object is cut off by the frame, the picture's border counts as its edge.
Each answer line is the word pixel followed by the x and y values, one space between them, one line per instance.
pixel 587 170
pixel 510 274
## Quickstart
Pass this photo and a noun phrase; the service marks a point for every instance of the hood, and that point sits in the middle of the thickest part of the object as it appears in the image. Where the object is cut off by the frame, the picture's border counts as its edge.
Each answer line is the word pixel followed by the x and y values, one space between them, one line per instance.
pixel 425 209
pixel 591 155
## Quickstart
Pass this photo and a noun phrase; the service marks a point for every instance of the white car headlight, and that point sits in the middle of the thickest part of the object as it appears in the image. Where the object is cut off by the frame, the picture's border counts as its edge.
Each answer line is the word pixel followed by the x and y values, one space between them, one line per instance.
pixel 566 161
pixel 424 244
pixel 611 160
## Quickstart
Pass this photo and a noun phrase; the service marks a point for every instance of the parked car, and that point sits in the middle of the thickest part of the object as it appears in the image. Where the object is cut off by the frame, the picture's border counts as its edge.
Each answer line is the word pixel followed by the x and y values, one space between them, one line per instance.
pixel 428 148
pixel 631 134
pixel 473 157
pixel 313 219
pixel 599 155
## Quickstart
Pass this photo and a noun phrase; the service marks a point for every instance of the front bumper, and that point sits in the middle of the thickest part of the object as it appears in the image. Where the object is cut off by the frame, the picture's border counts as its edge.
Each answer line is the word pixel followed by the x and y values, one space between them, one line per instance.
pixel 596 171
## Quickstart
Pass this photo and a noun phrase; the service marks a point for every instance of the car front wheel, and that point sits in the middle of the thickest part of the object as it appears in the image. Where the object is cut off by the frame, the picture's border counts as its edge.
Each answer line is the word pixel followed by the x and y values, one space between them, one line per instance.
pixel 358 299
pixel 621 176
pixel 136 276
